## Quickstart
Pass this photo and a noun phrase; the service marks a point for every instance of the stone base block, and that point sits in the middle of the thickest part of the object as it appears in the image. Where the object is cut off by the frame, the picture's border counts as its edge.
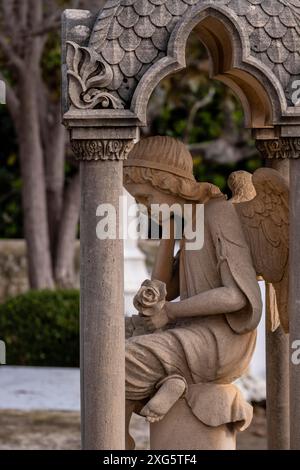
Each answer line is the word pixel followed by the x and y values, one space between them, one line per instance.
pixel 181 430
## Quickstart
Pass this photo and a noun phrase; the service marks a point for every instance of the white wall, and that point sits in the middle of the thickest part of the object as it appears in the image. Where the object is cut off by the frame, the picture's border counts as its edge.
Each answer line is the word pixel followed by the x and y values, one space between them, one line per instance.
pixel 258 364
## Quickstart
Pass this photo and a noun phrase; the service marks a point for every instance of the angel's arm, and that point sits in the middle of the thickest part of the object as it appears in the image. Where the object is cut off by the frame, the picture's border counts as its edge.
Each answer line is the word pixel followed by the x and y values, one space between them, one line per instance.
pixel 226 299
pixel 166 268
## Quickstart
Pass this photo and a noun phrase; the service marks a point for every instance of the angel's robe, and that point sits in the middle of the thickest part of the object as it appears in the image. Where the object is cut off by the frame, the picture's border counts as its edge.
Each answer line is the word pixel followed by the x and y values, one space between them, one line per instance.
pixel 214 349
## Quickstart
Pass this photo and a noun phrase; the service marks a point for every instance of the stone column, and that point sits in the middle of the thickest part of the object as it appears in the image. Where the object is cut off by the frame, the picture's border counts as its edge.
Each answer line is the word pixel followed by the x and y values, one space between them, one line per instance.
pixel 277 367
pixel 294 299
pixel 102 297
pixel 279 393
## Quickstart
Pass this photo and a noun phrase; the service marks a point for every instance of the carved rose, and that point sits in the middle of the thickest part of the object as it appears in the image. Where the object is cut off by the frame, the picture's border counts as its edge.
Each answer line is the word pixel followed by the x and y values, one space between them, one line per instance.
pixel 151 294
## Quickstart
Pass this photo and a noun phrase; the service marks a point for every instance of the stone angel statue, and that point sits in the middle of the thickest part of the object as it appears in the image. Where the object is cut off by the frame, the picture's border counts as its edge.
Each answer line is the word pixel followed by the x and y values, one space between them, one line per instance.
pixel 194 348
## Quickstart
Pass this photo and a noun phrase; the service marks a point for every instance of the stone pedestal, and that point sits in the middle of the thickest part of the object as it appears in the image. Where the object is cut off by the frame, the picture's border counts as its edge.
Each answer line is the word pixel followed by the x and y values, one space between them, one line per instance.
pixel 181 430
pixel 207 418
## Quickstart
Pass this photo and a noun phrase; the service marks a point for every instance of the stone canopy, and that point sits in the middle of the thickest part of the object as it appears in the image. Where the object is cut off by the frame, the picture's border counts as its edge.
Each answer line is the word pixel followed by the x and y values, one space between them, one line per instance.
pixel 115 60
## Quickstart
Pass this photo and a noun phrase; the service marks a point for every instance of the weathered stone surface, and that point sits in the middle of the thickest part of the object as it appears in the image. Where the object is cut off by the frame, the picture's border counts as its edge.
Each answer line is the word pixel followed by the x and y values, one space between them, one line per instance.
pixel 129 40
pixel 280 148
pixel 102 311
pixel 92 150
pixel 131 64
pixel 144 27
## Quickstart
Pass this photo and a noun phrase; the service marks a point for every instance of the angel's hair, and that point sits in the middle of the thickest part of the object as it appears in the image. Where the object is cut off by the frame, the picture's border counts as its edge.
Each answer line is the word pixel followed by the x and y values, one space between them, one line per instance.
pixel 175 161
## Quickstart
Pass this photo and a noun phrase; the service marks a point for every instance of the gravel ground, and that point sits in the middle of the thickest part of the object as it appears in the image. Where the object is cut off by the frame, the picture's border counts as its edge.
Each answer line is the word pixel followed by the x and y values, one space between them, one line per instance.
pixel 61 431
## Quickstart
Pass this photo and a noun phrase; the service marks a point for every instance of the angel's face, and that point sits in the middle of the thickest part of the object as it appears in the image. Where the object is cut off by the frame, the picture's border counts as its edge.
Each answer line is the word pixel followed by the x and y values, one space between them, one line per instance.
pixel 151 197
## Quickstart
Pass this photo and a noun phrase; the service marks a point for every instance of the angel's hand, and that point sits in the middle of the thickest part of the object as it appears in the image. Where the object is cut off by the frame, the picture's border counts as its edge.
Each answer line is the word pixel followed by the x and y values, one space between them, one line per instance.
pixel 157 321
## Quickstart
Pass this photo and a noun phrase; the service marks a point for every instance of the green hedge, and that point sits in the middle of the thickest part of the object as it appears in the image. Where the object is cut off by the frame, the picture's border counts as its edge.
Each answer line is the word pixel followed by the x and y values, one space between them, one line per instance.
pixel 41 328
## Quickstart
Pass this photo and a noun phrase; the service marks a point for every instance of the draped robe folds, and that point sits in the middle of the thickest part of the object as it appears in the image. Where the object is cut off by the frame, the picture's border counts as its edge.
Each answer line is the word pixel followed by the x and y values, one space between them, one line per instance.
pixel 210 350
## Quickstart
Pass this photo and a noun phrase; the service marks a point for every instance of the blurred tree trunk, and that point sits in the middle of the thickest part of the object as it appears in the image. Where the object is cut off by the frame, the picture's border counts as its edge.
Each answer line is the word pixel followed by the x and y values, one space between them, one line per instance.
pixel 50 206
pixel 64 266
pixel 33 189
pixel 55 147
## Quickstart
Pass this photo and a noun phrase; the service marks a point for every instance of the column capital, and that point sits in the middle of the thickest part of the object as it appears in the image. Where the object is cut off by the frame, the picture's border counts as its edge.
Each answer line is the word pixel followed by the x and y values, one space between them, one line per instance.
pixel 283 148
pixel 102 149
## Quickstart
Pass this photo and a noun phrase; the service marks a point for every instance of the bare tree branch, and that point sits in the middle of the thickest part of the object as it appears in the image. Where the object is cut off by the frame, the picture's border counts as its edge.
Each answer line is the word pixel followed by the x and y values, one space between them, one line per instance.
pixel 195 109
pixel 34 45
pixel 8 14
pixel 51 7
pixel 11 55
pixel 23 13
pixel 36 12
pixel 222 151
pixel 44 28
pixel 50 20
pixel 92 5
pixel 75 4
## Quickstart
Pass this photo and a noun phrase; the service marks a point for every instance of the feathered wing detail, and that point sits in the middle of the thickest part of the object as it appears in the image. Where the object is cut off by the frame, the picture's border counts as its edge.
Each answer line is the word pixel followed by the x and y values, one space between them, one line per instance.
pixel 265 220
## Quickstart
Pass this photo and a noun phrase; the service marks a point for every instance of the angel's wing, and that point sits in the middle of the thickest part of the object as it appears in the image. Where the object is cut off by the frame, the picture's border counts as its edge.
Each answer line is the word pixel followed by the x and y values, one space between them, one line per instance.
pixel 265 220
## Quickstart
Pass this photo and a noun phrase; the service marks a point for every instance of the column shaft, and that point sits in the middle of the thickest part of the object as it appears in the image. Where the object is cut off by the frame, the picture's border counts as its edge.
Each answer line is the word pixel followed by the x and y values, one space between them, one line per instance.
pixel 294 300
pixel 277 354
pixel 102 315
pixel 277 357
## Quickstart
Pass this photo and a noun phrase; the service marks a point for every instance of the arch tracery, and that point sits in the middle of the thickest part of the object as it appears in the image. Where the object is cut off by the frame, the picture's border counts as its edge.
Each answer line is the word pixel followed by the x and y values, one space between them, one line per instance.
pixel 133 44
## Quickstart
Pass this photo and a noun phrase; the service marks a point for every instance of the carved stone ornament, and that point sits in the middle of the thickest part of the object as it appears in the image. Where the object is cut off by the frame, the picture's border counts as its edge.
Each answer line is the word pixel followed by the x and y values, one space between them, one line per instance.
pixel 279 148
pixel 130 36
pixel 89 150
pixel 89 75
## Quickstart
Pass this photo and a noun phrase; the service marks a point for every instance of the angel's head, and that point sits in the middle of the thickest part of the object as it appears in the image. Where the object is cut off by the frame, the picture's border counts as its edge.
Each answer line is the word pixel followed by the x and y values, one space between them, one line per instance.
pixel 159 170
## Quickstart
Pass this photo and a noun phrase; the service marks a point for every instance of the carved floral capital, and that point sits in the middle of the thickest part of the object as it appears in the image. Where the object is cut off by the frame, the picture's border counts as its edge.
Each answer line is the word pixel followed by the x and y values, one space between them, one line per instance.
pixel 283 148
pixel 88 150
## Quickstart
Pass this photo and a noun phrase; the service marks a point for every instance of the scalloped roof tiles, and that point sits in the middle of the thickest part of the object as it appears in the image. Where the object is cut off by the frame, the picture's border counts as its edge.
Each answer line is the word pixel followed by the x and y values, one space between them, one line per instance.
pixel 131 35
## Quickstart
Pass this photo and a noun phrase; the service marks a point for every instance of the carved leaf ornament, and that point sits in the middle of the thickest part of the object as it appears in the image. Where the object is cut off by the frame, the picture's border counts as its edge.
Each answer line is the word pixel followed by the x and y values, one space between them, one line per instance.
pixel 88 76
